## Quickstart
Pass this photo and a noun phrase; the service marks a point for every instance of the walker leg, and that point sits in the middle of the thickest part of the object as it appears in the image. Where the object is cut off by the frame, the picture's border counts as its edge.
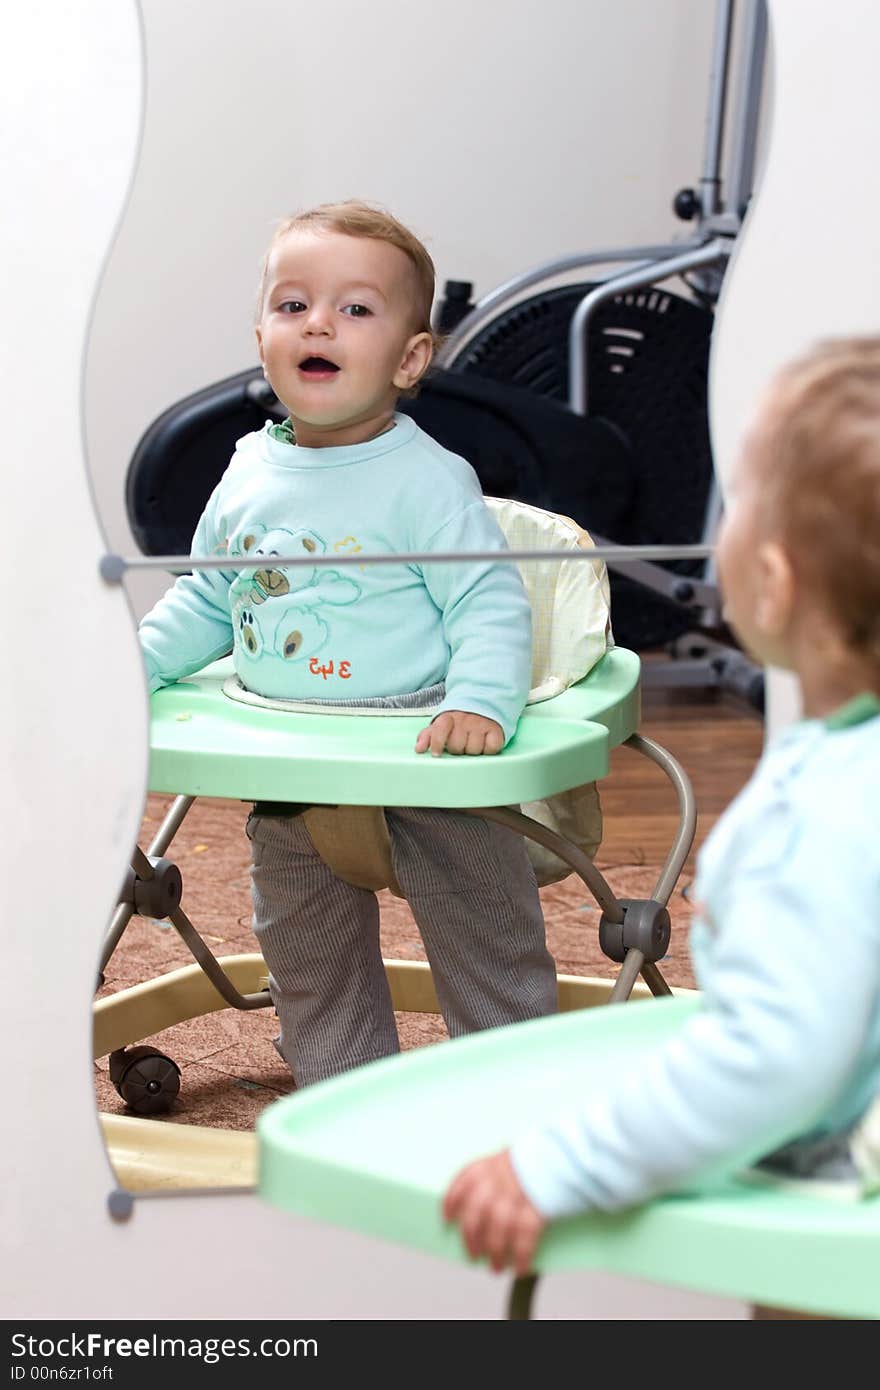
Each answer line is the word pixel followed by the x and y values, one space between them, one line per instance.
pixel 519 1306
pixel 127 905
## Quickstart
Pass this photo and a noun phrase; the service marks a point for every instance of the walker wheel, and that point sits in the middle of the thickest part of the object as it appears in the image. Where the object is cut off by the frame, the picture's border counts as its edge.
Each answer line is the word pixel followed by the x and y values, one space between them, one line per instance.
pixel 147 1080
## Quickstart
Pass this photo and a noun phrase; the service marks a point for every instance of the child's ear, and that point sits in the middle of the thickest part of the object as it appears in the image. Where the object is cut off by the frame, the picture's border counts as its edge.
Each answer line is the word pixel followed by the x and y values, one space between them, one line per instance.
pixel 261 352
pixel 415 361
pixel 775 590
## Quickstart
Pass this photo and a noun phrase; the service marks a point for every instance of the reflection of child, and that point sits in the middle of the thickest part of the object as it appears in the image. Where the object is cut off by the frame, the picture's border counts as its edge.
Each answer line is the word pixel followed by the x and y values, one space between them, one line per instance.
pixel 343 330
pixel 784 1056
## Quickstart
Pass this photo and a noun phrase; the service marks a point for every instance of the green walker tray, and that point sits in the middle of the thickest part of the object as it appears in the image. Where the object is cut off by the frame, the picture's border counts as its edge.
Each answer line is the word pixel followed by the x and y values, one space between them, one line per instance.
pixel 374 1151
pixel 204 744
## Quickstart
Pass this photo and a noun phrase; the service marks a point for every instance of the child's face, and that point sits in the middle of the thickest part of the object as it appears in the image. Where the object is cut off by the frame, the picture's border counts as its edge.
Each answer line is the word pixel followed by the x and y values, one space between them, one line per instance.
pixel 336 334
pixel 752 566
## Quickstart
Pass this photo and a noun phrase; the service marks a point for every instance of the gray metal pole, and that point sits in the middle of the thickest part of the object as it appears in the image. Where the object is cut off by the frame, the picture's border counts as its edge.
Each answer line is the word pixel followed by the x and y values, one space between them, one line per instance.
pixel 744 137
pixel 113 568
pixel 708 254
pixel 687 813
pixel 511 289
pixel 710 180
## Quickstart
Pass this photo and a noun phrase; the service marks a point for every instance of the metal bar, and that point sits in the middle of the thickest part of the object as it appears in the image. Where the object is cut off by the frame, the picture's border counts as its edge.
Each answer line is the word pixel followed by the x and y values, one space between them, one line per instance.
pixel 118 922
pixel 663 581
pixel 212 968
pixel 680 672
pixel 687 807
pixel 519 1304
pixel 633 964
pixel 118 565
pixel 568 853
pixel 141 868
pixel 666 582
pixel 547 270
pixel 712 516
pixel 705 254
pixel 170 825
pixel 710 179
pixel 654 980
pixel 748 109
pixel 126 910
pixel 141 864
pixel 711 594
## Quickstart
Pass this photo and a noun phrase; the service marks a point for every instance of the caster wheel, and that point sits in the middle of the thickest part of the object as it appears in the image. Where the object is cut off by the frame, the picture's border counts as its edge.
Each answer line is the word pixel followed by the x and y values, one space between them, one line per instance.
pixel 147 1080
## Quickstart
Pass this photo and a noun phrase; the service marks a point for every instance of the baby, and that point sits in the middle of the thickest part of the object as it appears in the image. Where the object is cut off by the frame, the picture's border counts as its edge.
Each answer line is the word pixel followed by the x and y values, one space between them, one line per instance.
pixel 784 1056
pixel 343 331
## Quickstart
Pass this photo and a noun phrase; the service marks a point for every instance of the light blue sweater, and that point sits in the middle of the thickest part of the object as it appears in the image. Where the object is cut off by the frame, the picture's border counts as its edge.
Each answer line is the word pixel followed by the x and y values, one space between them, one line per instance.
pixel 786 949
pixel 308 633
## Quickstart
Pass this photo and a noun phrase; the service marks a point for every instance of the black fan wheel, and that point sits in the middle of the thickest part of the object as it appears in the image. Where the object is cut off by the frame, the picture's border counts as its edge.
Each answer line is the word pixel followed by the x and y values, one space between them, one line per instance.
pixel 647 357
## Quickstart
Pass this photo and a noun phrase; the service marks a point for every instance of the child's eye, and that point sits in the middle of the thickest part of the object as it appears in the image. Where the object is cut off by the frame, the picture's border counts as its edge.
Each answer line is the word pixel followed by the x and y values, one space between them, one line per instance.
pixel 291 306
pixel 357 311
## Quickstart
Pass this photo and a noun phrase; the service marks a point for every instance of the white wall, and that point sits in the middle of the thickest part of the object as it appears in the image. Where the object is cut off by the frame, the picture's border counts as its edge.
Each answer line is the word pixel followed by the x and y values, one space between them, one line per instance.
pixel 506 132
pixel 73 751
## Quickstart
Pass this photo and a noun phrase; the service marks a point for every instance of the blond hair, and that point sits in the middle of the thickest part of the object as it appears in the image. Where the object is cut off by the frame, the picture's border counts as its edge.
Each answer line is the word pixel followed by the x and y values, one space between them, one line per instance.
pixel 822 439
pixel 354 218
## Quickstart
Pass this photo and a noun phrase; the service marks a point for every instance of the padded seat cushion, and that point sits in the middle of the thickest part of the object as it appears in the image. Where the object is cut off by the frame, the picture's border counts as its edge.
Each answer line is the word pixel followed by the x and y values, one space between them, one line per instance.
pixel 571 603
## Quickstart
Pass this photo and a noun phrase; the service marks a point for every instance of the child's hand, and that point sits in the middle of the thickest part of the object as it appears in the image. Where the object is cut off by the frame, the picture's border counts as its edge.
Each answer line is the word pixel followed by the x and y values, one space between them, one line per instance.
pixel 495 1215
pixel 460 732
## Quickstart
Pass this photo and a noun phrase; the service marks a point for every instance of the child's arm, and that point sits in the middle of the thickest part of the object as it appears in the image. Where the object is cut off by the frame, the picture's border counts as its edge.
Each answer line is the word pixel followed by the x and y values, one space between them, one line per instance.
pixel 488 624
pixel 789 1024
pixel 494 1213
pixel 191 625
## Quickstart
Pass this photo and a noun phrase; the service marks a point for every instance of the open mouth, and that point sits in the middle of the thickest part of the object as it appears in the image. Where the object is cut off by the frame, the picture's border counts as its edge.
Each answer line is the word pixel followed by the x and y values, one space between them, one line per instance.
pixel 318 366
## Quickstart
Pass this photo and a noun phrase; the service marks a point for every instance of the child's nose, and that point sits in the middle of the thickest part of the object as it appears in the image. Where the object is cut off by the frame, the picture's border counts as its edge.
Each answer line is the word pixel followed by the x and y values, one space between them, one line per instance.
pixel 318 319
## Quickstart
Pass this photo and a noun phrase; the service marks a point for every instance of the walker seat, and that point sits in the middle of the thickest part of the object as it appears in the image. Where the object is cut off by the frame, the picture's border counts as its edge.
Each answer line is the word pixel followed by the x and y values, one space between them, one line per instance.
pixel 203 744
pixel 374 1151
pixel 336 765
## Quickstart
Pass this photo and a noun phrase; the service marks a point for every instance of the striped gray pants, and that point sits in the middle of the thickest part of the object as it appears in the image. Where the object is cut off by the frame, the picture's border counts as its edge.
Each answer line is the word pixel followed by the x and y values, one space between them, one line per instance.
pixel 474 897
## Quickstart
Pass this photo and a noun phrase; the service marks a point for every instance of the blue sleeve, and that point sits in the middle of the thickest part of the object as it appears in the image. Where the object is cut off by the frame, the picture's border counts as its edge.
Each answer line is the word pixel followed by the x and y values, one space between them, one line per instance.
pixel 191 625
pixel 792 998
pixel 487 620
